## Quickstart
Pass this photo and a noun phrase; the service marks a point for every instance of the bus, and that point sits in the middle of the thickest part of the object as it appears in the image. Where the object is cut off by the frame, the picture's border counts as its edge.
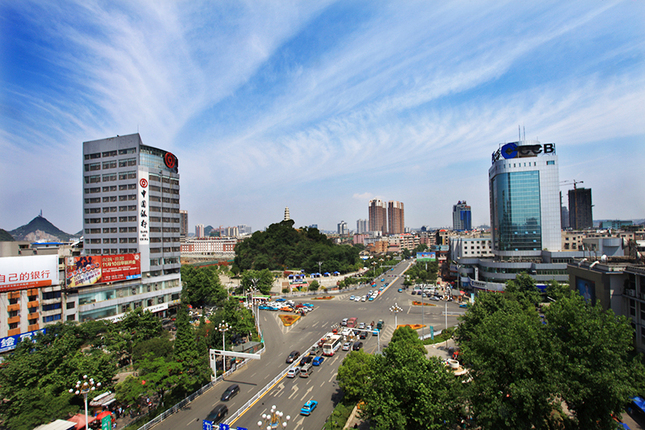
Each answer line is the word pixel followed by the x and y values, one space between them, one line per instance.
pixel 351 323
pixel 332 345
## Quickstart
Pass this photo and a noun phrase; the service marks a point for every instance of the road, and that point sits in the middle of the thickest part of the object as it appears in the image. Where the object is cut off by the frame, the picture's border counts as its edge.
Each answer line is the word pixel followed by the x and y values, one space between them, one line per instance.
pixel 288 395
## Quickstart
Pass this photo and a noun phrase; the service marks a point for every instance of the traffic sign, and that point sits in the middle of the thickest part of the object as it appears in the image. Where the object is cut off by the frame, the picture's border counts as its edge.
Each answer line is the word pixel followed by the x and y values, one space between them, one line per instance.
pixel 207 425
pixel 223 426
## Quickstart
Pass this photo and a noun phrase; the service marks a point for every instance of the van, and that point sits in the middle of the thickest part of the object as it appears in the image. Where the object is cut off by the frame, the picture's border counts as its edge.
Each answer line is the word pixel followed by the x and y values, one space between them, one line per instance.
pixel 219 412
pixel 306 370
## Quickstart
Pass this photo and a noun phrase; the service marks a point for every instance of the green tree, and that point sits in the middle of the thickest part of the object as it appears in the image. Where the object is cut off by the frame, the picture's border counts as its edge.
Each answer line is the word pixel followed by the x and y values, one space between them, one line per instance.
pixel 524 290
pixel 592 350
pixel 201 286
pixel 314 285
pixel 354 374
pixel 263 280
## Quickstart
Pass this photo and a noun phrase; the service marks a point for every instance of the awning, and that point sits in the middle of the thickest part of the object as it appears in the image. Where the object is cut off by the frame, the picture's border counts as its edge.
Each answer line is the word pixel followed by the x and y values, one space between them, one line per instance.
pixel 639 402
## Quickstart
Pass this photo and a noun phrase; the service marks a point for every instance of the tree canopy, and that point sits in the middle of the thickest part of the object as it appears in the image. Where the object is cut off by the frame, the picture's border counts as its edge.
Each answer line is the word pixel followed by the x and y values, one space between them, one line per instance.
pixel 281 247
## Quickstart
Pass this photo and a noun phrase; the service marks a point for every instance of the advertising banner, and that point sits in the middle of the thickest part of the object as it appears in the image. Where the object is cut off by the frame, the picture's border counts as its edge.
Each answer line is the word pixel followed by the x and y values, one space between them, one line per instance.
pixel 20 273
pixel 426 256
pixel 10 342
pixel 99 269
pixel 143 216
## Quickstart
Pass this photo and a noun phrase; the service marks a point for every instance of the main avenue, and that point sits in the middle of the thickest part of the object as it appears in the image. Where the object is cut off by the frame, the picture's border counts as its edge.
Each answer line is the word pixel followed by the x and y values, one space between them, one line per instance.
pixel 288 395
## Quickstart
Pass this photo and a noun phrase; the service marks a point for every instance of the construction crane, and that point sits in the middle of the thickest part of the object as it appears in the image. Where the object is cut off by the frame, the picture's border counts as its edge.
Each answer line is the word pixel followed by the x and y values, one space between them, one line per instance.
pixel 575 189
pixel 571 181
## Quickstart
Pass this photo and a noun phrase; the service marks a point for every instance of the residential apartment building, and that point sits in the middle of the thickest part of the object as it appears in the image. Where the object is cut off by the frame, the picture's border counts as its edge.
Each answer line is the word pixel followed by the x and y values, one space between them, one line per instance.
pixel 580 212
pixel 377 216
pixel 461 217
pixel 395 217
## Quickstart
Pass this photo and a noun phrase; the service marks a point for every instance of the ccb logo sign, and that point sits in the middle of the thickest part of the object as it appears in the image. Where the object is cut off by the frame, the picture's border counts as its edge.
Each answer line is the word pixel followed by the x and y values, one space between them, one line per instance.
pixel 170 160
pixel 513 150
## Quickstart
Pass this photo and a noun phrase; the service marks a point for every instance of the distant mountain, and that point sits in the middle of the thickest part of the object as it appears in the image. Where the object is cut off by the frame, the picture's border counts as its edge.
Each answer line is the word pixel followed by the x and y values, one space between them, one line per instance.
pixel 40 230
pixel 207 230
pixel 5 236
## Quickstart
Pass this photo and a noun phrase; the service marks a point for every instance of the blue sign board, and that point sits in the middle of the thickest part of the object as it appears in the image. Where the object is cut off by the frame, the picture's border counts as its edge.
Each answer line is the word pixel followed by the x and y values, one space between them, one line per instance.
pixel 8 343
pixel 223 426
pixel 207 425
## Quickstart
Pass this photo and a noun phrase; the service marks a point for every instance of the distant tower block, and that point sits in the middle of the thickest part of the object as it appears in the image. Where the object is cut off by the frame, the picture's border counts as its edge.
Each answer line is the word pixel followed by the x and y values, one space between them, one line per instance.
pixel 286 214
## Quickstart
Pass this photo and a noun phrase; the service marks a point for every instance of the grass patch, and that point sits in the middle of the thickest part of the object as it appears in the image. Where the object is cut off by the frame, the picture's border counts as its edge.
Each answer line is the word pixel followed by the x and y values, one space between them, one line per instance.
pixel 339 416
pixel 444 336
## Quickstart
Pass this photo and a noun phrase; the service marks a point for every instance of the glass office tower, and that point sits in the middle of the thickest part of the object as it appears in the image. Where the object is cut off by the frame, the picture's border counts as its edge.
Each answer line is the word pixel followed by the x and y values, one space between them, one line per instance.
pixel 524 199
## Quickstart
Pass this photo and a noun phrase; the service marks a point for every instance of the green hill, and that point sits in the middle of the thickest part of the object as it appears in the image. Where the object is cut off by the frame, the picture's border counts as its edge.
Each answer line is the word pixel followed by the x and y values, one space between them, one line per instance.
pixel 5 236
pixel 38 230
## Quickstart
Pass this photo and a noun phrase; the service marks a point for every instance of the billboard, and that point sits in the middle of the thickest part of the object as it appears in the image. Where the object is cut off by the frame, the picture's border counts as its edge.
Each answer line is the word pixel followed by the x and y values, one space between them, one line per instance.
pixel 10 342
pixel 587 289
pixel 34 271
pixel 99 269
pixel 426 256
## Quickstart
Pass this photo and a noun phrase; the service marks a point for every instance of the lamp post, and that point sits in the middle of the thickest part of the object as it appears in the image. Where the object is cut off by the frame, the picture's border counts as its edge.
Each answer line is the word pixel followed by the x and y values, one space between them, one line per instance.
pixel 223 328
pixel 85 387
pixel 274 419
pixel 395 309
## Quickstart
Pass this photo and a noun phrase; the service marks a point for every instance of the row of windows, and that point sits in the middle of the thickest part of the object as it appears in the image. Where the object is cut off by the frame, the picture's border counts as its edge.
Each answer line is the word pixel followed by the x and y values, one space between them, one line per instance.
pixel 51 307
pixel 130 230
pixel 51 295
pixel 166 180
pixel 110 177
pixel 112 219
pixel 112 153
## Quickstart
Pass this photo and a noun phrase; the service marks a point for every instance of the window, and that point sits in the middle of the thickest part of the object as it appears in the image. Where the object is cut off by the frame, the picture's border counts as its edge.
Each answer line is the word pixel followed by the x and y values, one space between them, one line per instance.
pixel 109 177
pixel 71 305
pixel 128 162
pixel 51 318
pixel 132 174
pixel 51 307
pixel 92 167
pixel 93 156
pixel 550 162
pixel 71 317
pixel 92 190
pixel 128 151
pixel 110 188
pixel 109 164
pixel 109 153
pixel 92 179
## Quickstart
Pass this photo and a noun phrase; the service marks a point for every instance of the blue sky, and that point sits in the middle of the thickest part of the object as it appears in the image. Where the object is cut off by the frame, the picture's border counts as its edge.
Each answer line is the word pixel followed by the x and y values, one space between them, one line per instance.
pixel 321 106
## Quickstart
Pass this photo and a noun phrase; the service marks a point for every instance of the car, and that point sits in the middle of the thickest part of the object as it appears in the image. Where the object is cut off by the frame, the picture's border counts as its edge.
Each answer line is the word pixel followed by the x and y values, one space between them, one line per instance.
pixel 308 407
pixel 280 300
pixel 218 412
pixel 371 299
pixel 352 297
pixel 361 325
pixel 347 346
pixel 363 335
pixel 306 359
pixel 400 290
pixel 344 321
pixel 364 298
pixel 382 279
pixel 231 391
pixel 293 355
pixel 318 360
pixel 357 299
pixel 293 372
pixel 357 345
pixel 309 305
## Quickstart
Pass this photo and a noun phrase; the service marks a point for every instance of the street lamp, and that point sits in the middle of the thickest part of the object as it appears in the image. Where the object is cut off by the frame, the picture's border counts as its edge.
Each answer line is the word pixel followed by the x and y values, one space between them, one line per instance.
pixel 274 419
pixel 396 309
pixel 223 328
pixel 85 387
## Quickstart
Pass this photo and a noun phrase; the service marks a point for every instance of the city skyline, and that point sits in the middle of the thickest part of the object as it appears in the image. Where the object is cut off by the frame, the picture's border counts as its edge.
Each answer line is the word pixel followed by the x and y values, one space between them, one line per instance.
pixel 321 107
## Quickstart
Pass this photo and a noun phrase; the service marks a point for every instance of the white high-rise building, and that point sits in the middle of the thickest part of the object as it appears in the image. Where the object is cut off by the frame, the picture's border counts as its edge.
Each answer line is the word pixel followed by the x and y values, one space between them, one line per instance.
pixel 525 199
pixel 131 213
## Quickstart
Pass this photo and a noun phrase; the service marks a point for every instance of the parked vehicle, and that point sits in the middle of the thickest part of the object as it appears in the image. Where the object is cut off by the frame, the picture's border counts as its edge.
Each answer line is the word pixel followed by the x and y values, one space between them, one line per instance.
pixel 347 346
pixel 318 361
pixel 357 345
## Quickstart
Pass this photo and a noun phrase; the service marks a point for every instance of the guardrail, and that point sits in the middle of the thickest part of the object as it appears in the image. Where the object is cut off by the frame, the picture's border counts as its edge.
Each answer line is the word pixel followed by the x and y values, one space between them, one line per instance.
pixel 179 406
pixel 264 390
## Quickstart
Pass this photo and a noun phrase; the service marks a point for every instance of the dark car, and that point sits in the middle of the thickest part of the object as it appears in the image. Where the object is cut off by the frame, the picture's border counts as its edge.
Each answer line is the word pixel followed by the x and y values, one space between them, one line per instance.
pixel 293 355
pixel 363 335
pixel 231 391
pixel 216 415
pixel 357 346
pixel 306 359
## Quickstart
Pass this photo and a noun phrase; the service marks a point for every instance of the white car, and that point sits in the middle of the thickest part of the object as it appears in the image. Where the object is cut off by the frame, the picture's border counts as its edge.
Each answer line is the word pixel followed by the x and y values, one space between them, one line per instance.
pixel 357 298
pixel 364 298
pixel 293 372
pixel 347 346
pixel 352 297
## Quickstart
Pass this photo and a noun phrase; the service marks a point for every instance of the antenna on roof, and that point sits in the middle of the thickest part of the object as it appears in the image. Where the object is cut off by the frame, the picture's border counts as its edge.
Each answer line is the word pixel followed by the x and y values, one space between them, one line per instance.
pixel 519 133
pixel 524 130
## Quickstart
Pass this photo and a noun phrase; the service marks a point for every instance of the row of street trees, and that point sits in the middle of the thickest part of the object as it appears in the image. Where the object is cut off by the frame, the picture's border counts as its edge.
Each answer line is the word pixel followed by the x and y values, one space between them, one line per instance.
pixel 570 367
pixel 36 377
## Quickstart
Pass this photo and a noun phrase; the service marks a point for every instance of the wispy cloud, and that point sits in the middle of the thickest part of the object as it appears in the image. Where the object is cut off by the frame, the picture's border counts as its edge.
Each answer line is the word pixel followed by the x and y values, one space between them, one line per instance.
pixel 279 100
